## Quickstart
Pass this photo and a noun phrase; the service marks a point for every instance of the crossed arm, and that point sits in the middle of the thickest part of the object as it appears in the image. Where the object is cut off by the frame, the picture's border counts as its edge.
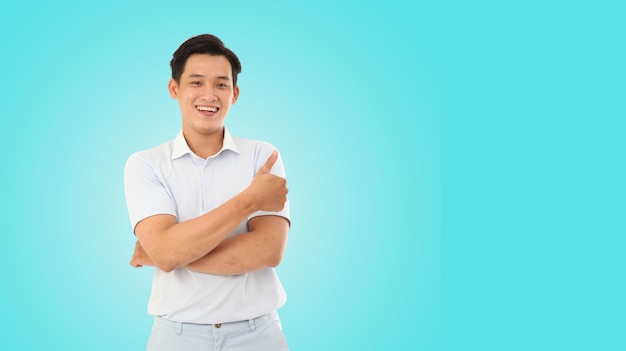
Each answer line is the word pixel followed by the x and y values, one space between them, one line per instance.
pixel 261 247
pixel 201 243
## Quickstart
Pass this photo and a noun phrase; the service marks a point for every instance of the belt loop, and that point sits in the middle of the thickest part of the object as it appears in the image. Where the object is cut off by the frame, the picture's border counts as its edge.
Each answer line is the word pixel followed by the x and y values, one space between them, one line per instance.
pixel 179 329
pixel 252 326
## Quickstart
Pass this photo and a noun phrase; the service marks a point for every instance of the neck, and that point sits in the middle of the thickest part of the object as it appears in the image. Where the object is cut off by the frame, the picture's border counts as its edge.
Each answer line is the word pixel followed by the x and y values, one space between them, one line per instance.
pixel 205 145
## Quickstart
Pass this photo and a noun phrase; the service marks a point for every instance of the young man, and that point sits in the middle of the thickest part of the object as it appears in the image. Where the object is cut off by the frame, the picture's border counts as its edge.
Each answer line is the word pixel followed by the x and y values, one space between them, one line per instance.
pixel 210 213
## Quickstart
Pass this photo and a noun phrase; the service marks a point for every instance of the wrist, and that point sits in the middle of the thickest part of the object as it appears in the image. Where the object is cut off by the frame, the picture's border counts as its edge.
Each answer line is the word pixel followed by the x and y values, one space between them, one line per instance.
pixel 246 201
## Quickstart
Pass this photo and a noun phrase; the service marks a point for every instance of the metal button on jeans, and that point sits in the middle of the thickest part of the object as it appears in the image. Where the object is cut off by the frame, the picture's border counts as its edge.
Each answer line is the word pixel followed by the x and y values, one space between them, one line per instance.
pixel 218 325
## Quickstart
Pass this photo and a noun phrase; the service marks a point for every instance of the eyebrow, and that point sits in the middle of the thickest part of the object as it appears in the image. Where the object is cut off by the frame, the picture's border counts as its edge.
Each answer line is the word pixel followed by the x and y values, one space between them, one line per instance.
pixel 198 75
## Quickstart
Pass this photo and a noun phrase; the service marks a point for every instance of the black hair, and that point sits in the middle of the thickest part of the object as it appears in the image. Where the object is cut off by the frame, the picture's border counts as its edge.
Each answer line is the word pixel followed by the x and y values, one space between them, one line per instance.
pixel 203 44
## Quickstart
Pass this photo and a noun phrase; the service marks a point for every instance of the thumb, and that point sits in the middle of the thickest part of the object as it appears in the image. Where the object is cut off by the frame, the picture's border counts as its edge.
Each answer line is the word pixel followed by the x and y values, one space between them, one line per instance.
pixel 267 167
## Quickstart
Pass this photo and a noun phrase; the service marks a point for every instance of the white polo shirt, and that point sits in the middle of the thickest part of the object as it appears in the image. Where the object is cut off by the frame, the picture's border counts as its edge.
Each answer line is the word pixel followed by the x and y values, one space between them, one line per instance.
pixel 171 179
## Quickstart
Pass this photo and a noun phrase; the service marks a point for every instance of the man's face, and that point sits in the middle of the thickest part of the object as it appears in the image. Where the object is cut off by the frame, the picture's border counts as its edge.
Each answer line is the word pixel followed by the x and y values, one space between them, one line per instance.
pixel 205 93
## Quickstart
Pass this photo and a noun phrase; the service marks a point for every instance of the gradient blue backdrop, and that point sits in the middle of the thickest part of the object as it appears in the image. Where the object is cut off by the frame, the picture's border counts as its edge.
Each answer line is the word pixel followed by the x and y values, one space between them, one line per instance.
pixel 456 169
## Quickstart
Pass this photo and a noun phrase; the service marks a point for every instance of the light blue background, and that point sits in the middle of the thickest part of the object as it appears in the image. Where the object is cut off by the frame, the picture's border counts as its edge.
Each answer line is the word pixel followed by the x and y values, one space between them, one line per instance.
pixel 456 169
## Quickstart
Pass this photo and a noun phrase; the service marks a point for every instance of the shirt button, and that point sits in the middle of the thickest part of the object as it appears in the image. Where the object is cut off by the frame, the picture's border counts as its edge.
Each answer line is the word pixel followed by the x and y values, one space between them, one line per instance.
pixel 207 193
pixel 206 169
pixel 218 325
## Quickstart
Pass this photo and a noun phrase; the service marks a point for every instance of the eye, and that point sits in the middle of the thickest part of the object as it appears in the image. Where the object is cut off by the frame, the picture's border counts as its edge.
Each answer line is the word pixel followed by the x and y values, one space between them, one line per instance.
pixel 222 85
pixel 196 83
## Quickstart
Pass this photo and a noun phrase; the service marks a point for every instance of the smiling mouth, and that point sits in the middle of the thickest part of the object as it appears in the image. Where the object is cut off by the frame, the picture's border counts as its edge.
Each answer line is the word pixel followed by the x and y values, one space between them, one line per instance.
pixel 212 109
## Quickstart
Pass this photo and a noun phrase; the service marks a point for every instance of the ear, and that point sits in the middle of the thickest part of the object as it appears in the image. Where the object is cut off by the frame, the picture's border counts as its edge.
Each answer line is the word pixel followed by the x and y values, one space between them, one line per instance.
pixel 235 94
pixel 172 86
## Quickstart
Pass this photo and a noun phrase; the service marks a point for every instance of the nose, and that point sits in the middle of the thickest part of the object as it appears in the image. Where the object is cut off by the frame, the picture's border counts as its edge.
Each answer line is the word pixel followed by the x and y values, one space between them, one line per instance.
pixel 209 94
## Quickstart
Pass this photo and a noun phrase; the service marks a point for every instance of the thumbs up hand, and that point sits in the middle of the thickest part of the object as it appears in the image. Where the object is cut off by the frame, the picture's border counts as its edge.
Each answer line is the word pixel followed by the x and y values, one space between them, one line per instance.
pixel 268 192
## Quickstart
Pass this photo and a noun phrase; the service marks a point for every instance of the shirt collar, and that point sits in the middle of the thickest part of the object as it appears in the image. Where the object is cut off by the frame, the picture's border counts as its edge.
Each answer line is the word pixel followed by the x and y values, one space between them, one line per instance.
pixel 229 142
pixel 181 148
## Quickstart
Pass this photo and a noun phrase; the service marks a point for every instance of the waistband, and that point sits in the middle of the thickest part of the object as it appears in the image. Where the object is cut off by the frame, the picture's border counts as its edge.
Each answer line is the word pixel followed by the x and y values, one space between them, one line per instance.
pixel 180 327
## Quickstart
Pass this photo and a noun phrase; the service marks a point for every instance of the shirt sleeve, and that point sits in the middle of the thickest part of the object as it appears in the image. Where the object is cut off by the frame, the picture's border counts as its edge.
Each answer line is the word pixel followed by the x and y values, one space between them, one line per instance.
pixel 262 155
pixel 146 192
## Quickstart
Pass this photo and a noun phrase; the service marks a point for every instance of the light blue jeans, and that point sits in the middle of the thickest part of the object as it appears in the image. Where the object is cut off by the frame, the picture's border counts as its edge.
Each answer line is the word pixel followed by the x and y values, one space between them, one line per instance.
pixel 259 334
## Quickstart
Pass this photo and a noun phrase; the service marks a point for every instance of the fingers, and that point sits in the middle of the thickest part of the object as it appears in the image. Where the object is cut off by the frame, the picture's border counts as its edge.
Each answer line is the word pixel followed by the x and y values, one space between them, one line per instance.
pixel 133 261
pixel 267 167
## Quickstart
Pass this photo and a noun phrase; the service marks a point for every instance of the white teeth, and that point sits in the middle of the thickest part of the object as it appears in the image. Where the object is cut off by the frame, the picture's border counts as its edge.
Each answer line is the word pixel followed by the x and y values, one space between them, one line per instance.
pixel 207 108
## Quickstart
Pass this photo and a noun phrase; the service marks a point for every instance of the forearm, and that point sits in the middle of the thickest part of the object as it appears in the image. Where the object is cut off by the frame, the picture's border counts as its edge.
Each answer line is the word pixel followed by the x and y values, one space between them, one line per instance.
pixel 246 252
pixel 186 242
pixel 261 247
